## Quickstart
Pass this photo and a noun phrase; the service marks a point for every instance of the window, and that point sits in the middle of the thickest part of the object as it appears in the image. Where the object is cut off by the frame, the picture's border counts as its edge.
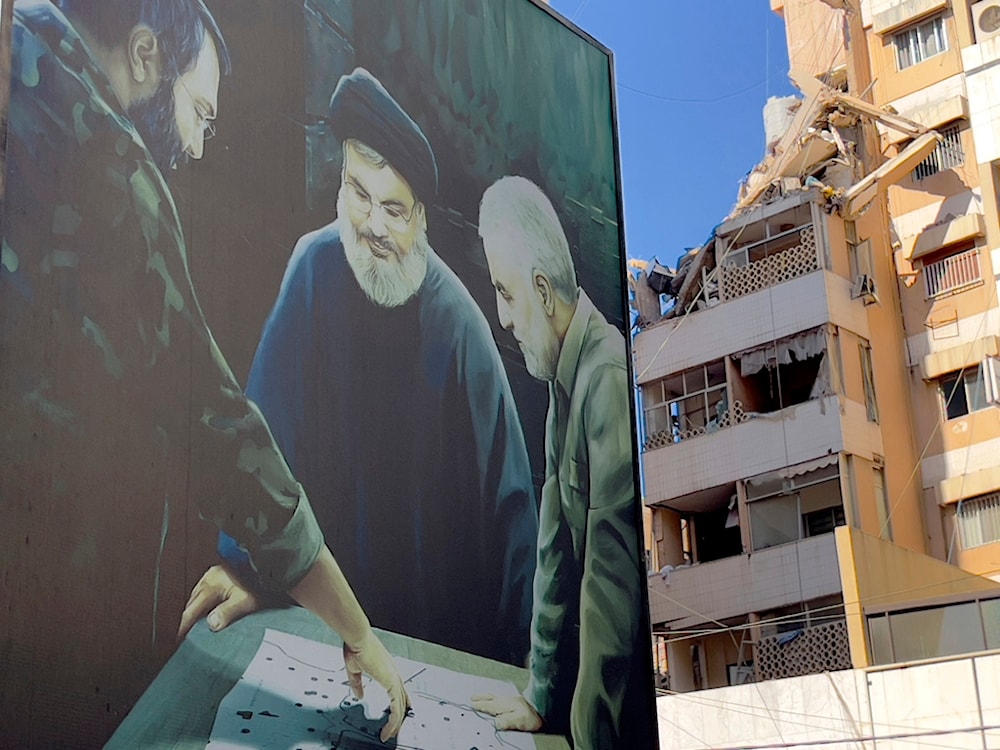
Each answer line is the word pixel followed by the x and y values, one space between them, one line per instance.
pixel 868 377
pixel 859 252
pixel 775 235
pixel 823 521
pixel 920 42
pixel 931 632
pixel 685 405
pixel 979 520
pixel 947 155
pixel 953 272
pixel 785 372
pixel 882 503
pixel 784 510
pixel 963 392
pixel 936 632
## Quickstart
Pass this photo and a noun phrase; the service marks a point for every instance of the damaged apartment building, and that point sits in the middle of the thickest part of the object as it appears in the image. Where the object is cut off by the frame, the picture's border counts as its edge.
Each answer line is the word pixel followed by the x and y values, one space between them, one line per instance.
pixel 819 381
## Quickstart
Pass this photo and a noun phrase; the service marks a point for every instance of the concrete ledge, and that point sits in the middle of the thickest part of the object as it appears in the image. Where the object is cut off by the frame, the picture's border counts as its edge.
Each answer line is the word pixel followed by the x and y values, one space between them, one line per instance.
pixel 904 13
pixel 955 358
pixel 942 235
pixel 973 484
pixel 930 115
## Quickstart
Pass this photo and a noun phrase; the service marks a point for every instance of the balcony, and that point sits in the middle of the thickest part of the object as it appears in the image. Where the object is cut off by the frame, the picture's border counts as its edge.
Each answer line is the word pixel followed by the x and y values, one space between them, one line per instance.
pixel 814 650
pixel 693 596
pixel 734 415
pixel 786 257
pixel 767 442
pixel 801 303
pixel 952 274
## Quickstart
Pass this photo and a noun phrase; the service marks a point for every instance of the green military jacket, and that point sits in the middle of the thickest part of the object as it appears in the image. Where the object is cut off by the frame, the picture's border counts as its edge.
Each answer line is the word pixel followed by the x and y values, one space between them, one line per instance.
pixel 586 668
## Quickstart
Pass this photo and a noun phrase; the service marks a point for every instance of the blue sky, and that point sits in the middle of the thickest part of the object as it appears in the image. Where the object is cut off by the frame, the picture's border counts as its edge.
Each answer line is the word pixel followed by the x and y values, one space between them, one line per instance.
pixel 693 78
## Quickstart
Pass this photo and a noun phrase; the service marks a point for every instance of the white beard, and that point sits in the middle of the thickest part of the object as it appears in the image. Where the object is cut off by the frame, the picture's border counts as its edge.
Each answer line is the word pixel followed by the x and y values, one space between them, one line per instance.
pixel 391 281
pixel 541 354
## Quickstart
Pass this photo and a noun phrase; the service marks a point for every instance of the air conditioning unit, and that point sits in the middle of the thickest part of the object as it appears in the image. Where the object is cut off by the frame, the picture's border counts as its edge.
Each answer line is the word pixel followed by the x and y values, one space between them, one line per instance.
pixel 864 289
pixel 986 19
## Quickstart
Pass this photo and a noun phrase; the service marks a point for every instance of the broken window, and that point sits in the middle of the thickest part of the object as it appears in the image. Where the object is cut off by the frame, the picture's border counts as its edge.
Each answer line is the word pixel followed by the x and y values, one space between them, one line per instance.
pixel 710 525
pixel 686 404
pixel 859 252
pixel 717 532
pixel 801 616
pixel 786 507
pixel 868 378
pixel 784 373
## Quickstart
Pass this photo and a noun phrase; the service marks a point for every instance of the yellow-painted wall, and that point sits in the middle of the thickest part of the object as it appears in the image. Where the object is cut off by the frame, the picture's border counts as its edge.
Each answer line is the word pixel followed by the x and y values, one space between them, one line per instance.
pixel 933 316
pixel 874 572
pixel 892 83
pixel 911 194
pixel 891 375
pixel 720 651
pixel 815 36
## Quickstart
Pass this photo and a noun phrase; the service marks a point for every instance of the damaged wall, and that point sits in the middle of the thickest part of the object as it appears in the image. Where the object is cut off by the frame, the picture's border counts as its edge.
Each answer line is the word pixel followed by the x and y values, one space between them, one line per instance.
pixel 815 33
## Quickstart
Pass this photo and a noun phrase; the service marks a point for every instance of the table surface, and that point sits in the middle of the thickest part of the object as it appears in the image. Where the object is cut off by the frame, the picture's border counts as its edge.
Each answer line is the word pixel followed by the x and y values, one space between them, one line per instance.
pixel 179 707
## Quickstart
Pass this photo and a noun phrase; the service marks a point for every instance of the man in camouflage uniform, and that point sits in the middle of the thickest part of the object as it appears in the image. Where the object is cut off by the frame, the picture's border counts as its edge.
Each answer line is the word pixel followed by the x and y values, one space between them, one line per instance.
pixel 122 420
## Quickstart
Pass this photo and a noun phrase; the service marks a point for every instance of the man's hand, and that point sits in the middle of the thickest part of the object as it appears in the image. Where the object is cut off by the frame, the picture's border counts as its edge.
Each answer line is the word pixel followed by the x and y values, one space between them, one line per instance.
pixel 371 657
pixel 221 597
pixel 511 712
pixel 326 593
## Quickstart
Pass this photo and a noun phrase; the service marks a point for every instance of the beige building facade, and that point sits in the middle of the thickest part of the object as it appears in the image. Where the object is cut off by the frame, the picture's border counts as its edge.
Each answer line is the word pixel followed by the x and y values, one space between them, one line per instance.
pixel 820 382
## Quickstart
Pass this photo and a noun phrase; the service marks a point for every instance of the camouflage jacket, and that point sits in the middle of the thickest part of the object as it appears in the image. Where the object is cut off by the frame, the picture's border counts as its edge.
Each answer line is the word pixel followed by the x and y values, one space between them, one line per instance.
pixel 110 380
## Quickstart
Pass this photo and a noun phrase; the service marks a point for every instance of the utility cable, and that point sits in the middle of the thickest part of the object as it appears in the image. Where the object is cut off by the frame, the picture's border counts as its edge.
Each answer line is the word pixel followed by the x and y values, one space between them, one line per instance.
pixel 802 719
pixel 868 601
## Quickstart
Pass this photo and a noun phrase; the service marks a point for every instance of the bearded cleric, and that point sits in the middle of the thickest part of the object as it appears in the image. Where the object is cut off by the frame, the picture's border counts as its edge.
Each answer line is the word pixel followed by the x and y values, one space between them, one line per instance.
pixel 384 389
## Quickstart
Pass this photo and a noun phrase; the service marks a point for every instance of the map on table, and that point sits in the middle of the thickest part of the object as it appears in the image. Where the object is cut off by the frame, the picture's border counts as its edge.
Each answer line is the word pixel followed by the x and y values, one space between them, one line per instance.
pixel 295 695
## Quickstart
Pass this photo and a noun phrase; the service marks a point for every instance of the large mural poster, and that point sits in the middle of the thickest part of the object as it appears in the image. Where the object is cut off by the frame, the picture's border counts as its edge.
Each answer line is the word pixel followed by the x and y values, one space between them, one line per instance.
pixel 315 301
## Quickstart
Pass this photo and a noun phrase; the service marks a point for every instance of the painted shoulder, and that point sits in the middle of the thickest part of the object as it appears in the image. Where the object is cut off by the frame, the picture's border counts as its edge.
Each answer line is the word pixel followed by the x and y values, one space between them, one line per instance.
pixel 446 302
pixel 317 254
pixel 604 345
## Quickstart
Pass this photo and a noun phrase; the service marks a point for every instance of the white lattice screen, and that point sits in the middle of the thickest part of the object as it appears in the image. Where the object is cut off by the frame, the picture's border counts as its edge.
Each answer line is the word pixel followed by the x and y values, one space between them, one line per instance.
pixel 733 415
pixel 823 648
pixel 739 281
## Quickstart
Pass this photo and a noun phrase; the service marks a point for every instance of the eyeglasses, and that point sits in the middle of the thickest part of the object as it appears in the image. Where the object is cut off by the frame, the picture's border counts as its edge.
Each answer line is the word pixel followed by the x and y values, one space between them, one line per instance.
pixel 394 217
pixel 205 118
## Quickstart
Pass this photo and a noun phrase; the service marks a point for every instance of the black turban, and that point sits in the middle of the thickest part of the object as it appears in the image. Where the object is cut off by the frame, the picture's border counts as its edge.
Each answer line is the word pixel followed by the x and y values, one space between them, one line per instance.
pixel 362 109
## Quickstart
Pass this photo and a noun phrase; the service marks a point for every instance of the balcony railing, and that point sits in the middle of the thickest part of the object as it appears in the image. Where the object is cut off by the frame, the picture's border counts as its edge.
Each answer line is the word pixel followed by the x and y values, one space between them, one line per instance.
pixel 953 273
pixel 733 415
pixel 739 281
pixel 822 648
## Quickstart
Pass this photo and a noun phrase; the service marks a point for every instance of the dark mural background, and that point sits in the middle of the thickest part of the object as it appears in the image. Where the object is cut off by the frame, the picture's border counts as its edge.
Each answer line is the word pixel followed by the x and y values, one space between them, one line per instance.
pixel 498 86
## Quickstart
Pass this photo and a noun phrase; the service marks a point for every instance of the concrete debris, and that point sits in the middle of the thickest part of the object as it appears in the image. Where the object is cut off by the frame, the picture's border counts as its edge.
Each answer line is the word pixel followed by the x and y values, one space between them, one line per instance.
pixel 812 145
